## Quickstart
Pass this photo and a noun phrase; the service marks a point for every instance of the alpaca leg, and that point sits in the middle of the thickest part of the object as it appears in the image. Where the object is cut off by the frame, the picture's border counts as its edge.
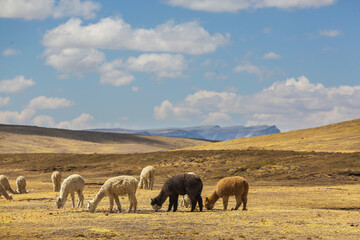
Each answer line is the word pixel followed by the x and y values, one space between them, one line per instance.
pixel 193 203
pixel 151 183
pixel 117 202
pixel 81 199
pixel 73 199
pixel 176 198
pixel 244 199
pixel 200 202
pixel 146 184
pixel 225 201
pixel 140 183
pixel 238 202
pixel 133 202
pixel 111 202
pixel 171 203
pixel 182 201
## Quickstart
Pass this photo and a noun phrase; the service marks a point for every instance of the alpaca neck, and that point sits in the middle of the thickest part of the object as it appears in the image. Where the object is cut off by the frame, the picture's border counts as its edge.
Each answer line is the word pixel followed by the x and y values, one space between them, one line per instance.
pixel 161 197
pixel 213 198
pixel 63 196
pixel 100 195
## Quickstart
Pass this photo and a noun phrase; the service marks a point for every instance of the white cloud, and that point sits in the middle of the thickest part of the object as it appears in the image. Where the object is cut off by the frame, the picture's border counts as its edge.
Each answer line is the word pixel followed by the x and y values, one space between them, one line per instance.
pixel 291 104
pixel 81 122
pixel 8 117
pixel 187 37
pixel 15 85
pixel 237 5
pixel 4 101
pixel 267 30
pixel 260 71
pixel 217 117
pixel 135 88
pixel 66 8
pixel 111 75
pixel 10 52
pixel 42 102
pixel 271 55
pixel 162 65
pixel 215 75
pixel 74 60
pixel 43 121
pixel 329 33
pixel 41 9
pixel 166 111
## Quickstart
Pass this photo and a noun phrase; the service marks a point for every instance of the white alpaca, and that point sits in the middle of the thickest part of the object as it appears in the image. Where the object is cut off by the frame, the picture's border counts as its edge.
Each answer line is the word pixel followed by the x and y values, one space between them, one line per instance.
pixel 147 177
pixel 6 185
pixel 3 192
pixel 185 201
pixel 56 180
pixel 21 185
pixel 73 183
pixel 113 187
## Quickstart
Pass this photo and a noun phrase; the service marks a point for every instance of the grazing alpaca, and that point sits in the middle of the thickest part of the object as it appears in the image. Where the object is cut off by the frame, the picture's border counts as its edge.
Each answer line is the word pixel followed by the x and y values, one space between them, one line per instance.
pixel 73 183
pixel 113 187
pixel 5 183
pixel 185 199
pixel 147 178
pixel 3 192
pixel 179 185
pixel 56 180
pixel 226 187
pixel 21 185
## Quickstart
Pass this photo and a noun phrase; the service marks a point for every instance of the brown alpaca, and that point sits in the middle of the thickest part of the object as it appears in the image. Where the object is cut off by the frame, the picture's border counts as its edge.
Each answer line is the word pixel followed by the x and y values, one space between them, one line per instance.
pixel 227 187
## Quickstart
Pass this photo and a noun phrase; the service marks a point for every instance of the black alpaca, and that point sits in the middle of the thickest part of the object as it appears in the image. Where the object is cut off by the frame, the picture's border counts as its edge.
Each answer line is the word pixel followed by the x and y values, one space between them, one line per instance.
pixel 179 185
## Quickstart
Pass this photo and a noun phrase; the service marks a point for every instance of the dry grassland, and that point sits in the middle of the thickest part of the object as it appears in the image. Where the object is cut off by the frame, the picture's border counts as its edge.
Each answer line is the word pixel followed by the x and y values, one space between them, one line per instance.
pixel 292 196
pixel 274 212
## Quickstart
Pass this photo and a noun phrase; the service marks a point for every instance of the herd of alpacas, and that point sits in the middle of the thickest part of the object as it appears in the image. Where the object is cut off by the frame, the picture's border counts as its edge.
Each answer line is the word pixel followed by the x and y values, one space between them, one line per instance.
pixel 188 185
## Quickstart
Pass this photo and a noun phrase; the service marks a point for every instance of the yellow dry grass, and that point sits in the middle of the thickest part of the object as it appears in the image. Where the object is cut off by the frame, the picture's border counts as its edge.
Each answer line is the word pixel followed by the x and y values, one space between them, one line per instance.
pixel 340 137
pixel 274 212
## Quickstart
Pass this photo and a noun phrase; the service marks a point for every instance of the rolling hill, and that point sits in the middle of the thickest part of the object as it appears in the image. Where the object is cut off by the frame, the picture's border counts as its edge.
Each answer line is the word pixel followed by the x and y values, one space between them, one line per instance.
pixel 29 139
pixel 339 137
pixel 214 132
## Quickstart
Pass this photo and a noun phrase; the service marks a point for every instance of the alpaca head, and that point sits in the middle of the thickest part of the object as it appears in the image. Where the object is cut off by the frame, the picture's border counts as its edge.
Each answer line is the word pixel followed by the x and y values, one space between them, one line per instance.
pixel 90 206
pixel 207 204
pixel 59 202
pixel 155 204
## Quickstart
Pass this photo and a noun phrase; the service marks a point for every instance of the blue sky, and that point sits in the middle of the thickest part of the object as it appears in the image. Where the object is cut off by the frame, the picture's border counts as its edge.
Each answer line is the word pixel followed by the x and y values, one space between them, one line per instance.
pixel 176 63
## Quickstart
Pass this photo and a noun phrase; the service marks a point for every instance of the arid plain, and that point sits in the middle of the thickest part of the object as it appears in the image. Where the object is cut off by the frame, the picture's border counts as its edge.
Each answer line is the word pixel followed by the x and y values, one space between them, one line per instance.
pixel 301 186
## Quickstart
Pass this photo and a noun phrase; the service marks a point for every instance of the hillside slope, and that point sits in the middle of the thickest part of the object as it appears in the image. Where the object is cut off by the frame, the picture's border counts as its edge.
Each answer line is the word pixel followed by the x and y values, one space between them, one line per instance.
pixel 28 139
pixel 339 137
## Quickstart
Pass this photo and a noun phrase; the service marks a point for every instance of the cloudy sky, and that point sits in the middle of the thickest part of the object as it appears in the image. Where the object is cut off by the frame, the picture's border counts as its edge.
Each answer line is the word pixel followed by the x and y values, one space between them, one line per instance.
pixel 175 63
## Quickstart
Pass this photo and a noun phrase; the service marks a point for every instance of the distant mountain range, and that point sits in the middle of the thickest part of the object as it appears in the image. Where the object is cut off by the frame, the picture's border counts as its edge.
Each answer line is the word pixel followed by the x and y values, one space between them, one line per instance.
pixel 215 132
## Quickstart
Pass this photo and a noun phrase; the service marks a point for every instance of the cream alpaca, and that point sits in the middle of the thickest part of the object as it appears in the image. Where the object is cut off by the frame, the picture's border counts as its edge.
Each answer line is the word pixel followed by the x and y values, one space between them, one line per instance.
pixel 21 185
pixel 73 183
pixel 5 183
pixel 3 192
pixel 113 187
pixel 226 187
pixel 56 180
pixel 185 201
pixel 147 177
